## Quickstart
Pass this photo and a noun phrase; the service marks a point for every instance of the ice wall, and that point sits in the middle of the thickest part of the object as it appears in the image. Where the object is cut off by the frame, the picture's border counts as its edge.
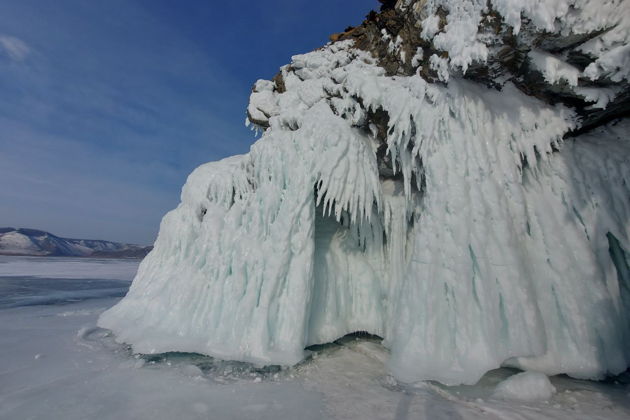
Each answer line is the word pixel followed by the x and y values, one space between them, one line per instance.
pixel 489 243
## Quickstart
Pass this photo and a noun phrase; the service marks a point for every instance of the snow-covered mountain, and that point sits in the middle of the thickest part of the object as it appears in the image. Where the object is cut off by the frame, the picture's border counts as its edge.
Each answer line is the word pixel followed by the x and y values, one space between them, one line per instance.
pixel 451 175
pixel 34 242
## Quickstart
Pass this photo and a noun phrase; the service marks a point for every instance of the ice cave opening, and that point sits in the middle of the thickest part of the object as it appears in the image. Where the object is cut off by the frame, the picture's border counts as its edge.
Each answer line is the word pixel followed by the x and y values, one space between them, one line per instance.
pixel 358 265
pixel 347 293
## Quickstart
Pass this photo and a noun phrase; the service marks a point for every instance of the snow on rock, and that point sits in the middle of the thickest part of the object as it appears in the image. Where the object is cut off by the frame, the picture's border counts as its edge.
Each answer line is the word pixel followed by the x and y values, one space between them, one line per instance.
pixel 262 104
pixel 525 386
pixel 24 241
pixel 600 96
pixel 452 220
pixel 18 243
pixel 553 69
pixel 460 35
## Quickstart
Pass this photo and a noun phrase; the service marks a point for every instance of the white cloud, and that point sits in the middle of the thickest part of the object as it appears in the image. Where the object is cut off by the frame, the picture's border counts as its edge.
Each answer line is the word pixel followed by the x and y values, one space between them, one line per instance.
pixel 15 48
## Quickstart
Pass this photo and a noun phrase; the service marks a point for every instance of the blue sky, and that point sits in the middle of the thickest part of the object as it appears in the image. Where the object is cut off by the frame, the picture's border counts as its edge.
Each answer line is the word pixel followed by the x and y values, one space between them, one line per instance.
pixel 107 106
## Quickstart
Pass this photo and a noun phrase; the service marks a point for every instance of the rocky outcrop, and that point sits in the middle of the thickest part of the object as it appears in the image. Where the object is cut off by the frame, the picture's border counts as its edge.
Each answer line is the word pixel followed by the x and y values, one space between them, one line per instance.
pixel 394 36
pixel 554 66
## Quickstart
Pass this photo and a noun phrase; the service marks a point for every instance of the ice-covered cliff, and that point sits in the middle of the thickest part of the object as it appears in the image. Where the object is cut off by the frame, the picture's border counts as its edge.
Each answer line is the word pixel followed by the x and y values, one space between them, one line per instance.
pixel 453 176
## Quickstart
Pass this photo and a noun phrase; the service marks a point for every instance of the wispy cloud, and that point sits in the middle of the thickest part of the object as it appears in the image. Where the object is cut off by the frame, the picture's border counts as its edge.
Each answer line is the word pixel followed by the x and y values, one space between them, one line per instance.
pixel 14 48
pixel 114 109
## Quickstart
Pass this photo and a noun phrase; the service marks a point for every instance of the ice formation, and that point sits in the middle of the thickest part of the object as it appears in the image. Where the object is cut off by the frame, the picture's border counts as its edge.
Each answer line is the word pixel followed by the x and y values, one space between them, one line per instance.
pixel 451 219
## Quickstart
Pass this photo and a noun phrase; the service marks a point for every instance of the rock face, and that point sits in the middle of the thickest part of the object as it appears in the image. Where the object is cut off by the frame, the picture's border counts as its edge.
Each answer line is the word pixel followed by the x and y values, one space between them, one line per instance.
pixel 584 65
pixel 415 180
pixel 35 242
pixel 582 62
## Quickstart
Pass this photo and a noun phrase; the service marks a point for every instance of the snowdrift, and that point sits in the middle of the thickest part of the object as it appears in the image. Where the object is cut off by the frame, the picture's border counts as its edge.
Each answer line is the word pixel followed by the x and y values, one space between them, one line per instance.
pixel 452 219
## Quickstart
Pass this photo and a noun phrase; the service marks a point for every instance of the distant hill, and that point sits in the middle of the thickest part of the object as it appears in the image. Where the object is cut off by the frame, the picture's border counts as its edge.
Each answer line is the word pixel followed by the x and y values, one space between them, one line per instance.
pixel 23 241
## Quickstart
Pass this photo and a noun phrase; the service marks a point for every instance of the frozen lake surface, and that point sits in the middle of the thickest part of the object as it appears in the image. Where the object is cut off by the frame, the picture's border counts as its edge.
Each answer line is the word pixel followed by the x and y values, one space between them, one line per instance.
pixel 27 281
pixel 55 363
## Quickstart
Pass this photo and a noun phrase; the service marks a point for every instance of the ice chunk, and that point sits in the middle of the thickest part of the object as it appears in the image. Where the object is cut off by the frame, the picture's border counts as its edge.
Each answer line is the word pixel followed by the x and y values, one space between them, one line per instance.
pixel 525 386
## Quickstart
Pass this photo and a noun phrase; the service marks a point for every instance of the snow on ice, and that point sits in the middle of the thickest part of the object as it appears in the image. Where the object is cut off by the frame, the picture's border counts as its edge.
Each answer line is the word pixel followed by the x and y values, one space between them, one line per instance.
pixel 56 364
